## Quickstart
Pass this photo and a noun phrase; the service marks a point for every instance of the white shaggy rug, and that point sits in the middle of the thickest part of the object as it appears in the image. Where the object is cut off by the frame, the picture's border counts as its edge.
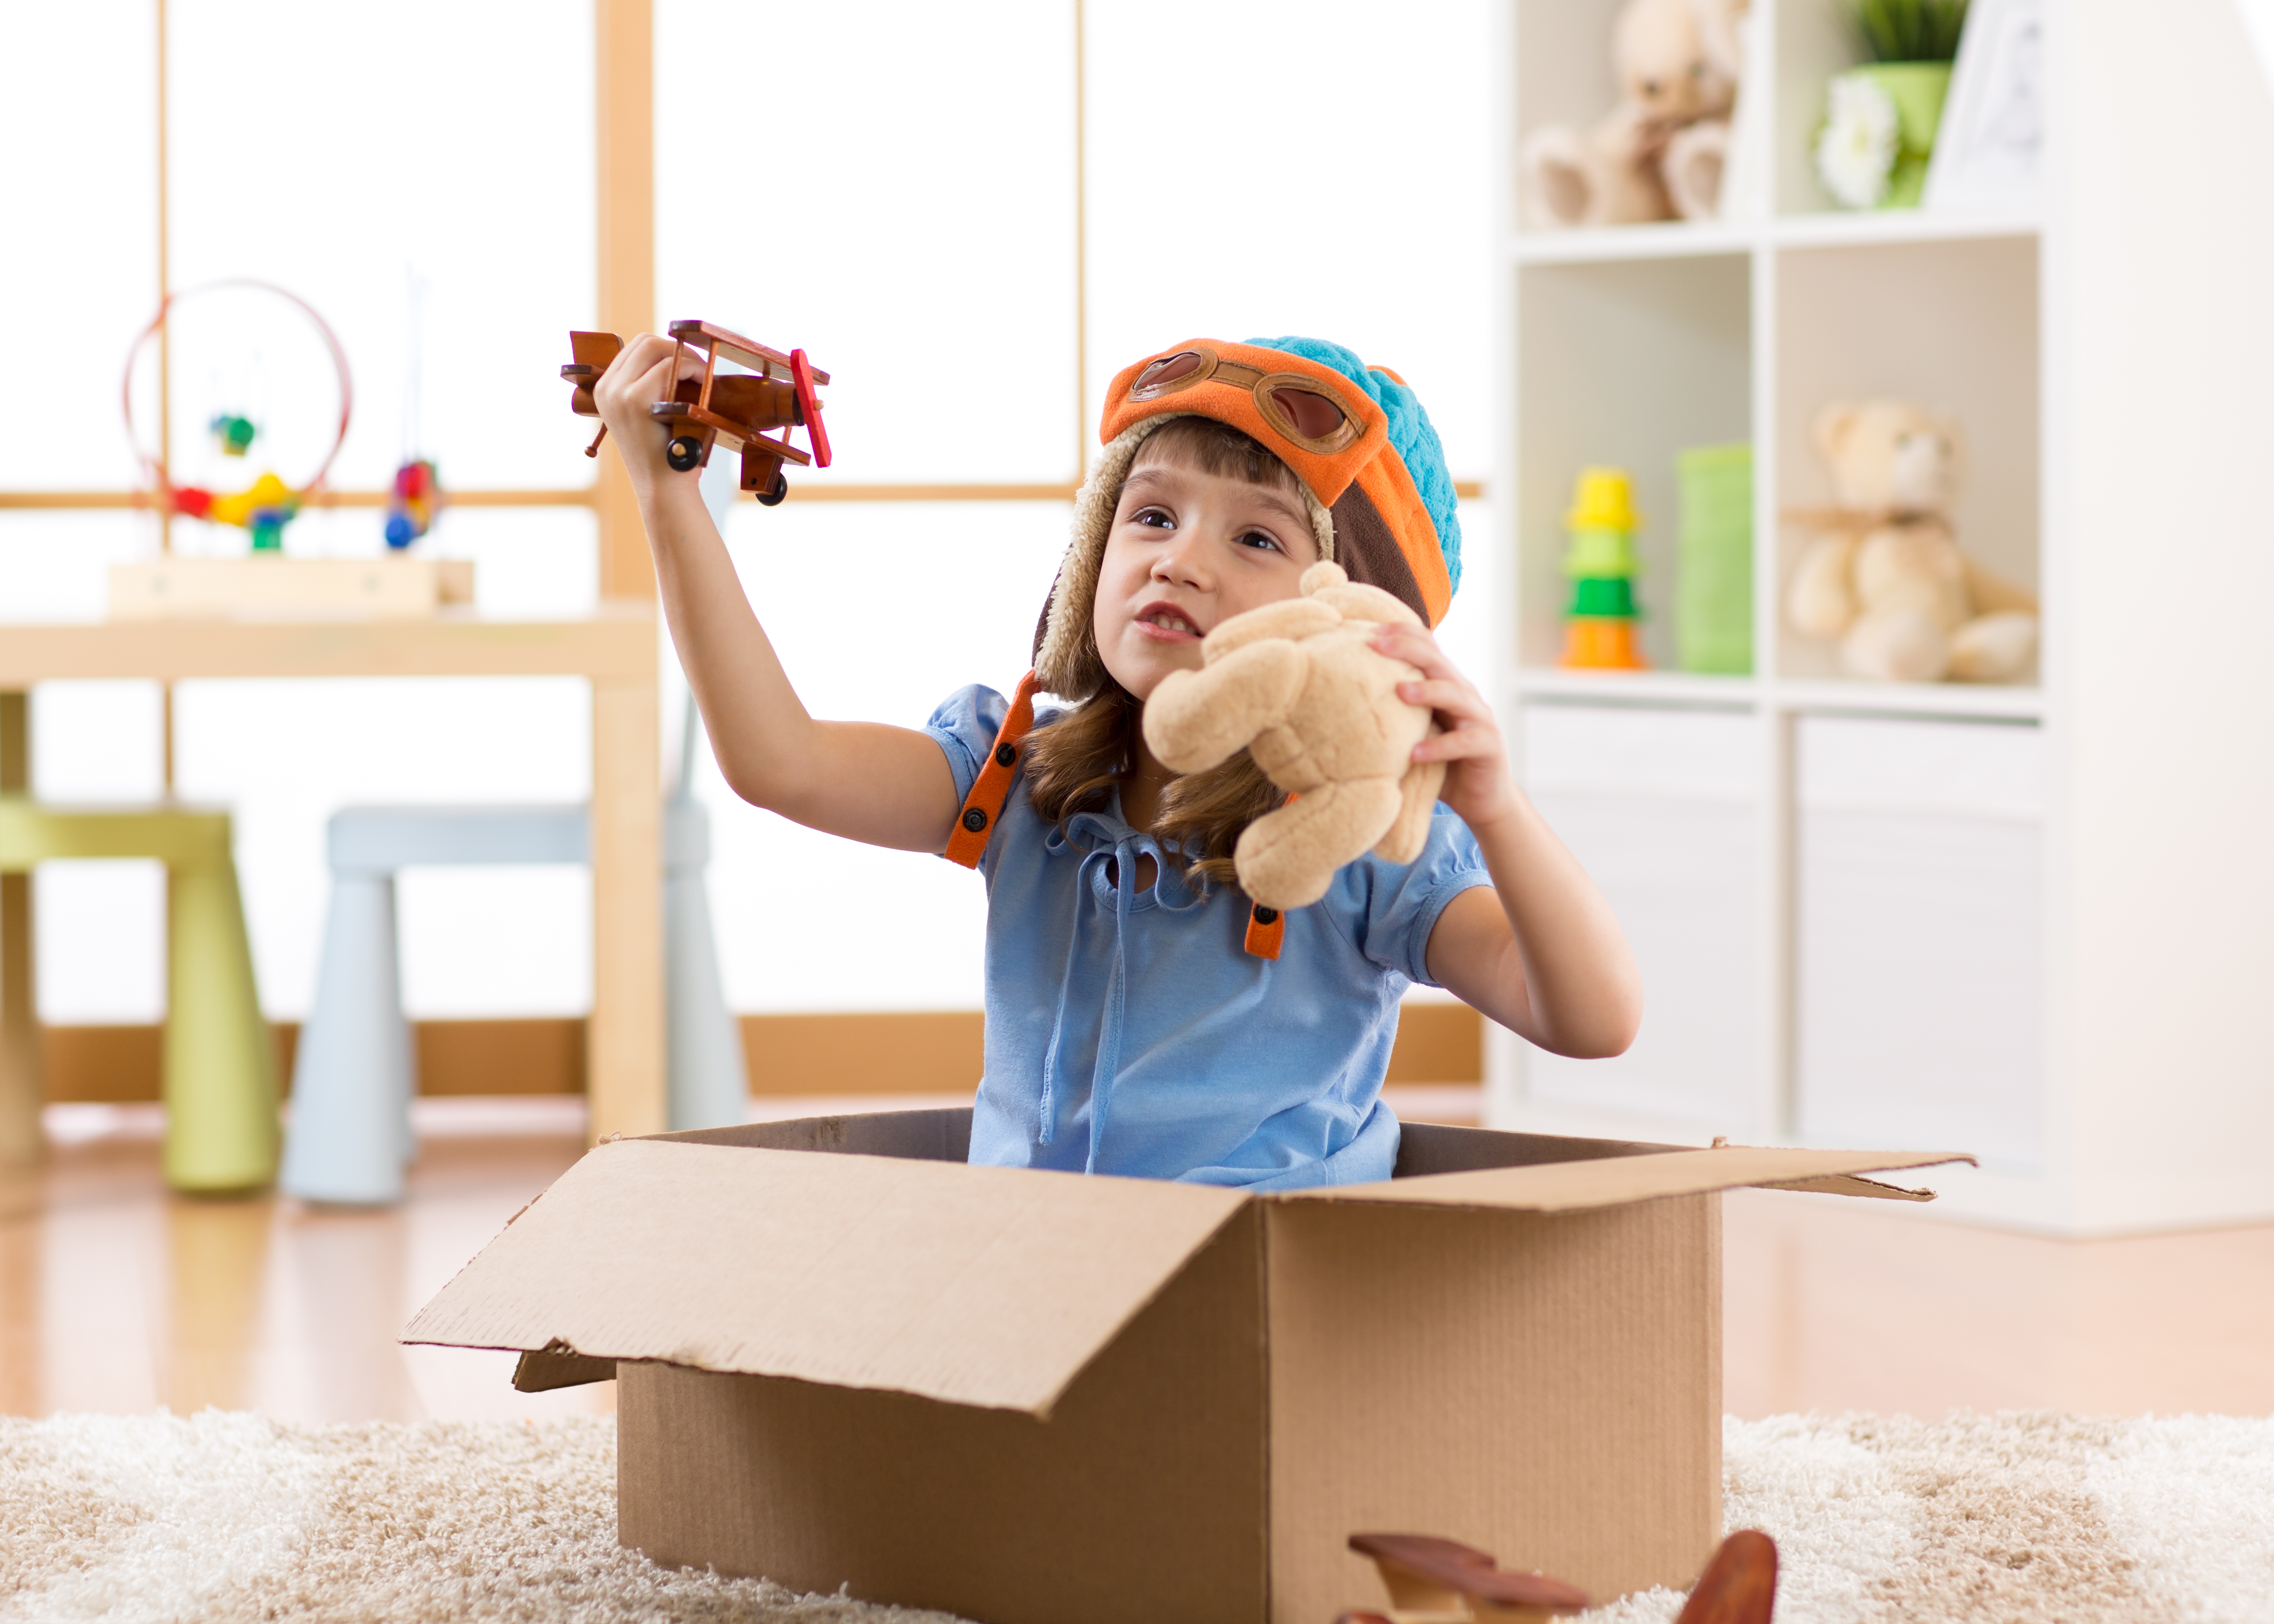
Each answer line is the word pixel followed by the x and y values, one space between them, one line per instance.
pixel 2011 1519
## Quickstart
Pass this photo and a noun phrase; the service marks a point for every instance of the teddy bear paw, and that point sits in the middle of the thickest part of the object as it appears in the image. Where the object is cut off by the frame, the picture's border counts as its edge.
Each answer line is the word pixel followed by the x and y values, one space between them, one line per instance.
pixel 1288 858
pixel 1995 648
pixel 1897 645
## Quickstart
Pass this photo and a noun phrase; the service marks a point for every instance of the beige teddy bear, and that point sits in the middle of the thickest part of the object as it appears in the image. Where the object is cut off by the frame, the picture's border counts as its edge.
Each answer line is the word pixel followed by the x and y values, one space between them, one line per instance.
pixel 1660 153
pixel 1300 685
pixel 1884 576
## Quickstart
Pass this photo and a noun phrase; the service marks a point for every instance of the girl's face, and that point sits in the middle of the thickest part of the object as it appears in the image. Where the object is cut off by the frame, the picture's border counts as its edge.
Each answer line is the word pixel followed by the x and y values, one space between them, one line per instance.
pixel 1187 551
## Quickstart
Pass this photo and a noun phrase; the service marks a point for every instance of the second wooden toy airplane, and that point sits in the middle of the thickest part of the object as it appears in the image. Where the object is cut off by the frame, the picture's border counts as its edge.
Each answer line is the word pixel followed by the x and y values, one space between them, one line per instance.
pixel 1434 1581
pixel 778 392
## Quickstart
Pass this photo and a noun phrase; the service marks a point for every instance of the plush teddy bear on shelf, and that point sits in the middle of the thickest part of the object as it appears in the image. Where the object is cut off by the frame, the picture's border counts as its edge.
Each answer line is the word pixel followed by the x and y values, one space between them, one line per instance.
pixel 1300 685
pixel 1882 574
pixel 1660 153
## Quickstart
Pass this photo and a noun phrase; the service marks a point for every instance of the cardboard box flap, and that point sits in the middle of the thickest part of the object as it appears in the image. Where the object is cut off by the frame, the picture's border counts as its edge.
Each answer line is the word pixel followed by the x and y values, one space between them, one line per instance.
pixel 1576 1186
pixel 990 1287
pixel 1848 1183
pixel 920 1136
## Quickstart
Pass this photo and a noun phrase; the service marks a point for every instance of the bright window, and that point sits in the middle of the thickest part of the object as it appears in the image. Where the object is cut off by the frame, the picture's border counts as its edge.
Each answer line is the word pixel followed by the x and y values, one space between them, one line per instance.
pixel 892 186
pixel 342 151
pixel 79 272
pixel 897 199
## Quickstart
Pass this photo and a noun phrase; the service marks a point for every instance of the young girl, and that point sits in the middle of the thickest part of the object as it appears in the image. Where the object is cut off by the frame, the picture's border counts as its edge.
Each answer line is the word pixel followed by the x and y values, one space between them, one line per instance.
pixel 1135 1024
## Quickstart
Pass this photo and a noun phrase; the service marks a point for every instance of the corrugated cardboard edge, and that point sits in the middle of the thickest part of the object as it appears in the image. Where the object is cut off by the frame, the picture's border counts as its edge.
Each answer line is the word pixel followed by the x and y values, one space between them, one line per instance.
pixel 1585 1187
pixel 410 1338
pixel 541 1370
pixel 1849 1184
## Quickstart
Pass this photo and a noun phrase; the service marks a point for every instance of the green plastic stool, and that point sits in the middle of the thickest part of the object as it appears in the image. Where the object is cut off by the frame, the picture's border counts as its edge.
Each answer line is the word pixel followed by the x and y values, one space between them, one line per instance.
pixel 221 1130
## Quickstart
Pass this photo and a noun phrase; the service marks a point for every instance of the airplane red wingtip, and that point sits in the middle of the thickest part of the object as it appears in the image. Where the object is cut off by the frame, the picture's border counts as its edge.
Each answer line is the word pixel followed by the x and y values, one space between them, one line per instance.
pixel 801 372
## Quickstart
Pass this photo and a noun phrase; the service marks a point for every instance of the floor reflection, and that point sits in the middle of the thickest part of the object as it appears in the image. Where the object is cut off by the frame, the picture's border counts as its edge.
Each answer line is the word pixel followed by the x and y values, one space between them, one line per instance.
pixel 23 1364
pixel 1832 1303
pixel 340 1268
pixel 117 1295
pixel 215 1281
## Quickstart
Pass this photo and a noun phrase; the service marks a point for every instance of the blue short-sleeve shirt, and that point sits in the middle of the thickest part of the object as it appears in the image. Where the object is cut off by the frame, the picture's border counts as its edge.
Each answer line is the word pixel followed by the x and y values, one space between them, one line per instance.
pixel 1131 1031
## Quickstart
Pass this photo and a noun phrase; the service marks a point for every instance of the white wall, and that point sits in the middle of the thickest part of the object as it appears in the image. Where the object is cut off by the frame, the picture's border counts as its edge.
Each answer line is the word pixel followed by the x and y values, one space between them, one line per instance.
pixel 2168 653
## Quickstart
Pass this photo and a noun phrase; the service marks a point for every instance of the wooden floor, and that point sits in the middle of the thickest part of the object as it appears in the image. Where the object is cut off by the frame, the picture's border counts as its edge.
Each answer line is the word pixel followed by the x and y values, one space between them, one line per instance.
pixel 116 1296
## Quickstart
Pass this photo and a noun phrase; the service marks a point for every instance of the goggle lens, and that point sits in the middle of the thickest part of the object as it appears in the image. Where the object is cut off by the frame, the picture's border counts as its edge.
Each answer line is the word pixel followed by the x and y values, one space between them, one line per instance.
pixel 1314 416
pixel 1166 370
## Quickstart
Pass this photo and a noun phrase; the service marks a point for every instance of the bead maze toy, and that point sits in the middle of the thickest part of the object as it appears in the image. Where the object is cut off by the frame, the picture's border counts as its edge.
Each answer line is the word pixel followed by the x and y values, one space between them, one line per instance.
pixel 1599 632
pixel 415 499
pixel 233 432
pixel 266 505
pixel 777 393
pixel 172 586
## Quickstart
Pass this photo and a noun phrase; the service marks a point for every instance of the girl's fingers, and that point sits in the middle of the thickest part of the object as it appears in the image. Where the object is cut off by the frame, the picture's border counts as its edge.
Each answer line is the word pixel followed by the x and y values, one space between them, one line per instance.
pixel 644 385
pixel 636 361
pixel 1415 648
pixel 1461 744
pixel 1451 695
pixel 1455 705
pixel 1474 731
pixel 635 357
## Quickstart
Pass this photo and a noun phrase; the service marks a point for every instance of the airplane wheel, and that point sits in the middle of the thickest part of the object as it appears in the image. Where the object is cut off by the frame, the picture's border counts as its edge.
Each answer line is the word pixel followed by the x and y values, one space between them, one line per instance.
pixel 684 452
pixel 773 498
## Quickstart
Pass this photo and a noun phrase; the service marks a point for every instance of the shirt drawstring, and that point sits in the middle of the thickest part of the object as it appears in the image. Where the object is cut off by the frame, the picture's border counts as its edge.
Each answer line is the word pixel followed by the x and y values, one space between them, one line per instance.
pixel 1127 845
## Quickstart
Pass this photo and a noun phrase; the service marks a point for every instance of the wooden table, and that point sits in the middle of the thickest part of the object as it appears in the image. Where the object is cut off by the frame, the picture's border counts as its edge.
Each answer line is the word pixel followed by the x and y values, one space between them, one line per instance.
pixel 613 648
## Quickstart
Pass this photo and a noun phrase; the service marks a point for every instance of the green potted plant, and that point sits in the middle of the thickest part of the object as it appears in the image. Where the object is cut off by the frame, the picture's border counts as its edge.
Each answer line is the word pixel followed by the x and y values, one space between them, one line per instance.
pixel 1880 118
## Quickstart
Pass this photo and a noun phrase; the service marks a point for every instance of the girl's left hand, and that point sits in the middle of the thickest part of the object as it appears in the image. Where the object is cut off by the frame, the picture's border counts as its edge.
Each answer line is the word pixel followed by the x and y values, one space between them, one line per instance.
pixel 1477 785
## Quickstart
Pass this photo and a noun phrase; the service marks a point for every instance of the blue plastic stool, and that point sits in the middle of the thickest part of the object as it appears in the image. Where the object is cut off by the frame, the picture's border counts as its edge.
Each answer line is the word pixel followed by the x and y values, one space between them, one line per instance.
pixel 356 1069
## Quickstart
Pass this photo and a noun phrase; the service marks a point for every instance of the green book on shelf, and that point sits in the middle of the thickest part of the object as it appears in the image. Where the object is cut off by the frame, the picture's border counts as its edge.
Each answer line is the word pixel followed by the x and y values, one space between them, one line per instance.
pixel 1713 582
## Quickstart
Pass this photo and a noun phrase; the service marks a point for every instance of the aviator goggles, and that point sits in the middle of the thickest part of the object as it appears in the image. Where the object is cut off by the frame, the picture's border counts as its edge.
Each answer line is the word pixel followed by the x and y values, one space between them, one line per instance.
pixel 1298 408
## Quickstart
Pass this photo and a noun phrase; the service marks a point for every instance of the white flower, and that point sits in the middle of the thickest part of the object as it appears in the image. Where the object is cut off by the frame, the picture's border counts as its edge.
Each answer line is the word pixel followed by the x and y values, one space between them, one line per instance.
pixel 1855 151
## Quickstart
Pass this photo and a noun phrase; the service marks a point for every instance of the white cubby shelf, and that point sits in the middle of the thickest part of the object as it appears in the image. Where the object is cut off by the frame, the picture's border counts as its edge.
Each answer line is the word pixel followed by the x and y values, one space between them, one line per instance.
pixel 1698 239
pixel 2031 921
pixel 1981 702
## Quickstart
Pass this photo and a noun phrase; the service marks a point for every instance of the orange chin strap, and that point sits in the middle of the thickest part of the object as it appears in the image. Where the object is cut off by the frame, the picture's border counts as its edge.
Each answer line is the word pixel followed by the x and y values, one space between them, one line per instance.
pixel 992 787
pixel 975 822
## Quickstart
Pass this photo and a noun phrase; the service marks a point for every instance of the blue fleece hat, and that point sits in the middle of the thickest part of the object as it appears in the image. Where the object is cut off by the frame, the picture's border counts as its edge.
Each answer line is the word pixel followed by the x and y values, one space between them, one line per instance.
pixel 1411 435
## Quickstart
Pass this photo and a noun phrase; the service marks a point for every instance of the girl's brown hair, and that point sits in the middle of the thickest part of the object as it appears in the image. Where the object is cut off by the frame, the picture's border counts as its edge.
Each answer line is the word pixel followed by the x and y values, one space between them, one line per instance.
pixel 1074 763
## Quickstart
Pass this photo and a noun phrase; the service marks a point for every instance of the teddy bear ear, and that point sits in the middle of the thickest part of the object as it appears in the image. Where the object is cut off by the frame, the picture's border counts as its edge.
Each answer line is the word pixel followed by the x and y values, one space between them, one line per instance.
pixel 1832 426
pixel 1325 573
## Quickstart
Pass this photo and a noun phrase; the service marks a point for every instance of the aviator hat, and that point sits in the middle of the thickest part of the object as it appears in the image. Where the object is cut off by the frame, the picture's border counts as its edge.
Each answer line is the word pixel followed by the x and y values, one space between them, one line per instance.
pixel 1380 501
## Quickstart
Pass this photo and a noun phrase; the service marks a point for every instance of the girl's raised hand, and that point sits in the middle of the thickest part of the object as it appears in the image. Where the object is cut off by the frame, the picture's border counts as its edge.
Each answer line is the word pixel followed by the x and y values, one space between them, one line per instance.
pixel 1477 785
pixel 639 376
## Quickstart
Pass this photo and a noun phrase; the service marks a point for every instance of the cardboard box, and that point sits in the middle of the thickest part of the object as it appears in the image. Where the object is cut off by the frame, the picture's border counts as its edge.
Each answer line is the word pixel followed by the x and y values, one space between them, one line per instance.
pixel 1029 1398
pixel 176 589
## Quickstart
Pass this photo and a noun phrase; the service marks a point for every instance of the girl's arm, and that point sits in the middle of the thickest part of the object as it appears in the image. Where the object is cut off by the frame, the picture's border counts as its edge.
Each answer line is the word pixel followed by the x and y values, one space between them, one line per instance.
pixel 1539 952
pixel 885 786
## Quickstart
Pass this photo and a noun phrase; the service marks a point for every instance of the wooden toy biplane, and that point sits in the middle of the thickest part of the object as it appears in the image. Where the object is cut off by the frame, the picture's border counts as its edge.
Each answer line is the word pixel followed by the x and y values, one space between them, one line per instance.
pixel 778 392
pixel 1436 1581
